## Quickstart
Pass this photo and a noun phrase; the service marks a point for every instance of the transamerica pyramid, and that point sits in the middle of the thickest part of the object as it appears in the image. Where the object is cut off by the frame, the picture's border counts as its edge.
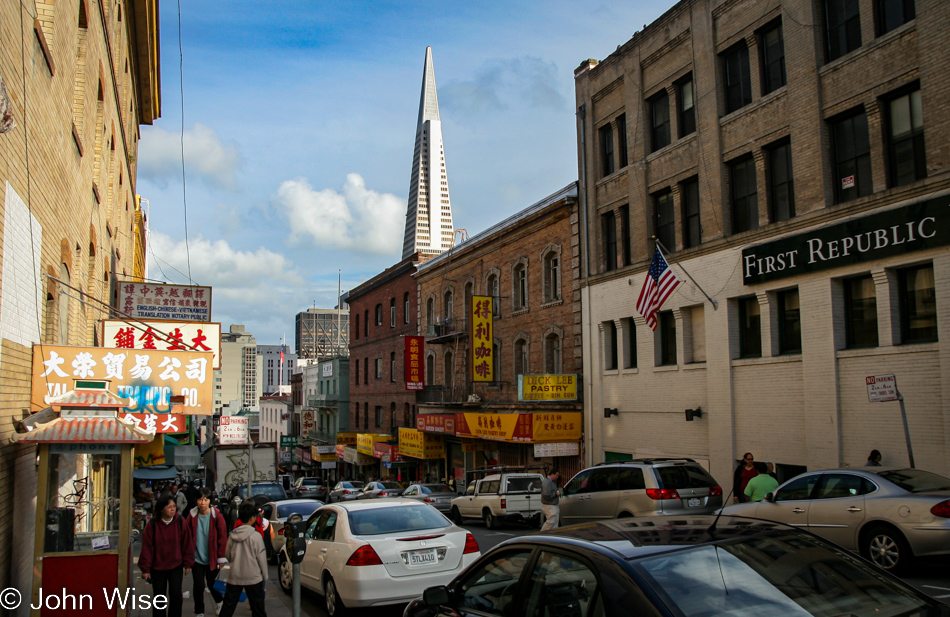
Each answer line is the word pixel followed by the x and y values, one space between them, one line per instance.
pixel 429 216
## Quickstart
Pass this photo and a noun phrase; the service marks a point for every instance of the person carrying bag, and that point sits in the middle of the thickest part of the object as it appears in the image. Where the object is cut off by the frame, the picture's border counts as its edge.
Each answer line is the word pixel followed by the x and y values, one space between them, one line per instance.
pixel 168 553
pixel 210 532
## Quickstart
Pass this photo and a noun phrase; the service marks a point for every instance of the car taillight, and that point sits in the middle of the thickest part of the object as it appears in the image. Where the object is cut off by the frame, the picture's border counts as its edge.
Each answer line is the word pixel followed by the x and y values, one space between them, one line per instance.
pixel 471 546
pixel 503 503
pixel 662 493
pixel 364 556
pixel 942 509
pixel 715 491
pixel 383 493
pixel 345 492
pixel 281 532
pixel 429 500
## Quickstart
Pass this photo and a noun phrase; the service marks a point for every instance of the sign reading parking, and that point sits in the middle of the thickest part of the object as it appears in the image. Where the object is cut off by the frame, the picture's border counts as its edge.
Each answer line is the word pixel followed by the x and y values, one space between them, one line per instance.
pixel 232 430
pixel 881 388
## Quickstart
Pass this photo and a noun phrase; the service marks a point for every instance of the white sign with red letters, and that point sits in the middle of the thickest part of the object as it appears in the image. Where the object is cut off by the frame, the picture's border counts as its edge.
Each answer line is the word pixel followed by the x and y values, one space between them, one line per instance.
pixel 161 301
pixel 163 336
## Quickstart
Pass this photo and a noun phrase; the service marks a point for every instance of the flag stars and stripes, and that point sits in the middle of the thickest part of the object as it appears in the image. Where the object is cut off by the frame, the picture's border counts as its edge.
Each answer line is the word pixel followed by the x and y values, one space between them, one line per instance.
pixel 657 287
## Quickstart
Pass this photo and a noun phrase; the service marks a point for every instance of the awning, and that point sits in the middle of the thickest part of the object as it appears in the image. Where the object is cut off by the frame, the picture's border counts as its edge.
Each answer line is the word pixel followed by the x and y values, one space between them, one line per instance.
pixel 157 472
pixel 85 430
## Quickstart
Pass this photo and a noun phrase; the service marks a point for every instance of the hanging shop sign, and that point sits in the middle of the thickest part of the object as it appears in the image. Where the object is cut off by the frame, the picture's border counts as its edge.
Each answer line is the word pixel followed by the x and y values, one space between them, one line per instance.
pixel 436 423
pixel 306 422
pixel 350 455
pixel 146 379
pixel 520 427
pixel 346 439
pixel 482 362
pixel 158 422
pixel 547 387
pixel 340 450
pixel 365 441
pixel 163 335
pixel 175 302
pixel 387 453
pixel 323 454
pixel 415 371
pixel 916 227
pixel 303 455
pixel 417 444
pixel 556 426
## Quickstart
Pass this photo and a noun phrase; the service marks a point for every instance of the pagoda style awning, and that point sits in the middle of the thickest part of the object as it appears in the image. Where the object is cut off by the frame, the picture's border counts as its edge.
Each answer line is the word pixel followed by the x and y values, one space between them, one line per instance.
pixel 85 430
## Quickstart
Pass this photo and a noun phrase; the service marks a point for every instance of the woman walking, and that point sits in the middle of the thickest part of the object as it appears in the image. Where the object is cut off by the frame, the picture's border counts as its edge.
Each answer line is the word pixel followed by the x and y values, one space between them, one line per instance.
pixel 206 525
pixel 740 479
pixel 168 552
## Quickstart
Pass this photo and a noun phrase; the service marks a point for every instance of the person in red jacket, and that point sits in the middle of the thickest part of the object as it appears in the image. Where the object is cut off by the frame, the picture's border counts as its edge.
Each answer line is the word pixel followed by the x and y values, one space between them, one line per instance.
pixel 207 527
pixel 168 552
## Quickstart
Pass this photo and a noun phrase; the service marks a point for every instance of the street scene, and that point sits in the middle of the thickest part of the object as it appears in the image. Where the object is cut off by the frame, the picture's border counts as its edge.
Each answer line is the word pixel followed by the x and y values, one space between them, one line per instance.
pixel 673 343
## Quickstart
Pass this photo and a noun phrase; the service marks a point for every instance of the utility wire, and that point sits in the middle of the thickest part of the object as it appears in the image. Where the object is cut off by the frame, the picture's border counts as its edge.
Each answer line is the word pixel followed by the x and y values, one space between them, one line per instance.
pixel 184 193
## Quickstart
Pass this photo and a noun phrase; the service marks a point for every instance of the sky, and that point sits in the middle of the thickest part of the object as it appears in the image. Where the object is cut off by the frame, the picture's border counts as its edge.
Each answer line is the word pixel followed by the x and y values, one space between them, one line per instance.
pixel 295 125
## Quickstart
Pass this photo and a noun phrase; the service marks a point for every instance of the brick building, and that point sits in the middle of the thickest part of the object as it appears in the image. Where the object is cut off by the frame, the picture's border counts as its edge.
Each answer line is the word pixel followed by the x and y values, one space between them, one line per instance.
pixel 383 310
pixel 527 264
pixel 793 156
pixel 68 172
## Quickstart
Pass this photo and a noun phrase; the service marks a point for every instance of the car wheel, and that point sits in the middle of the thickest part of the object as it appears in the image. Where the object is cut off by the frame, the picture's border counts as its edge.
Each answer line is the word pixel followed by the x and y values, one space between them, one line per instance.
pixel 490 521
pixel 887 548
pixel 285 574
pixel 335 606
pixel 457 516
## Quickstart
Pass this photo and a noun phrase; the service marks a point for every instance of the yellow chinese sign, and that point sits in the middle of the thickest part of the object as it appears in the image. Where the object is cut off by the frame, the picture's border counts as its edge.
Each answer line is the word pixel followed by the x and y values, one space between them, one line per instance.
pixel 483 366
pixel 417 444
pixel 346 439
pixel 365 441
pixel 556 426
pixel 547 387
pixel 538 427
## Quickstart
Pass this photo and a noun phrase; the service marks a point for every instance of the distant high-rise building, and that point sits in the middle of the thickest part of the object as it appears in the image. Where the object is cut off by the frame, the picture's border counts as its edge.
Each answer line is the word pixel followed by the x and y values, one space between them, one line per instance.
pixel 429 229
pixel 241 369
pixel 322 333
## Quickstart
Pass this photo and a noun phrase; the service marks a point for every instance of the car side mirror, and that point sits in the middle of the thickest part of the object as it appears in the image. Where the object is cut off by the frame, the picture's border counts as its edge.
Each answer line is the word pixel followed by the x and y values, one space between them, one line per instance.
pixel 770 498
pixel 435 596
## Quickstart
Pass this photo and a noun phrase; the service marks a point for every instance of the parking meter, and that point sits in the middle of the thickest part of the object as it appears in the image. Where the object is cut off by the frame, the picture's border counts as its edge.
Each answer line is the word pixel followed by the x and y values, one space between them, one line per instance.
pixel 295 527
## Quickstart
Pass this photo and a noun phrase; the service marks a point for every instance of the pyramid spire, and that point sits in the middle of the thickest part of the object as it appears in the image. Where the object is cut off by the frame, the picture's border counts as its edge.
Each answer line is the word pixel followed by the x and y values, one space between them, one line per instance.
pixel 429 227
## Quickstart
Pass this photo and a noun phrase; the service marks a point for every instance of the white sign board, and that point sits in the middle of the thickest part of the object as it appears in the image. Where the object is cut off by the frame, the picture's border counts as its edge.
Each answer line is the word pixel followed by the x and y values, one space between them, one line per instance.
pixel 232 430
pixel 327 369
pixel 881 388
pixel 164 335
pixel 556 449
pixel 161 301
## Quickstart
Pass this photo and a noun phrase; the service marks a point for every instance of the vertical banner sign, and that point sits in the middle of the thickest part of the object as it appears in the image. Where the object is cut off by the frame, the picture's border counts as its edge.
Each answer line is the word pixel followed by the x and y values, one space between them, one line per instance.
pixel 482 361
pixel 415 377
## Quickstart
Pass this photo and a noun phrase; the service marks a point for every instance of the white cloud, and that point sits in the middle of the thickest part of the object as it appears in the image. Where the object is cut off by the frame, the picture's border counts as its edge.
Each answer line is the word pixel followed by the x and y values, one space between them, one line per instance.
pixel 206 156
pixel 356 219
pixel 498 82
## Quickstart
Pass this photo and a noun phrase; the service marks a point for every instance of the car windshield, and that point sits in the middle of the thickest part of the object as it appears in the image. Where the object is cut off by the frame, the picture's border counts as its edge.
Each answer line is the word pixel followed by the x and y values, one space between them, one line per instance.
pixel 685 476
pixel 530 484
pixel 312 483
pixel 304 509
pixel 783 575
pixel 389 484
pixel 401 519
pixel 352 485
pixel 272 491
pixel 436 488
pixel 916 481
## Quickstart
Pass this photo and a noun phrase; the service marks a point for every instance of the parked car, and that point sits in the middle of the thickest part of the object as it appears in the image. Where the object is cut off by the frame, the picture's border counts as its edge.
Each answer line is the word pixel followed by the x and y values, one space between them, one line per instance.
pixel 314 488
pixel 378 552
pixel 373 490
pixel 276 512
pixel 501 497
pixel 693 566
pixel 261 492
pixel 345 490
pixel 639 487
pixel 439 496
pixel 888 515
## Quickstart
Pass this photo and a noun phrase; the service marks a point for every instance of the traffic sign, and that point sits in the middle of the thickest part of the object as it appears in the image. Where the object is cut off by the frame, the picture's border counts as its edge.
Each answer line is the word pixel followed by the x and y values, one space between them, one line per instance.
pixel 232 430
pixel 881 388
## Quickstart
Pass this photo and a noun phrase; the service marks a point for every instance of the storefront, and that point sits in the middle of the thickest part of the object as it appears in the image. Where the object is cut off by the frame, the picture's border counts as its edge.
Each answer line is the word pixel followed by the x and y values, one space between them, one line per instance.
pixel 428 450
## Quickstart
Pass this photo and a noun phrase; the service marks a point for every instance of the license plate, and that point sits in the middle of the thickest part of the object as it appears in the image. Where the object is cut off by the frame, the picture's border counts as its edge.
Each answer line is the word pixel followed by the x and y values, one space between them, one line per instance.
pixel 445 500
pixel 694 502
pixel 421 558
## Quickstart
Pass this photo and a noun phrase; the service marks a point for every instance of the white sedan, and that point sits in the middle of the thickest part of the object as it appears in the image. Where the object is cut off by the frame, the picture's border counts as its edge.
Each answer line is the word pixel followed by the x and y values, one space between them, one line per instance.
pixel 378 552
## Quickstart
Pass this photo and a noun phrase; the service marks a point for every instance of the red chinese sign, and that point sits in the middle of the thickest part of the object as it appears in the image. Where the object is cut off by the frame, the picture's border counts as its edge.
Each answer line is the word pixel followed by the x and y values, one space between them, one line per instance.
pixel 483 366
pixel 175 302
pixel 163 335
pixel 415 373
pixel 387 453
pixel 436 423
pixel 158 422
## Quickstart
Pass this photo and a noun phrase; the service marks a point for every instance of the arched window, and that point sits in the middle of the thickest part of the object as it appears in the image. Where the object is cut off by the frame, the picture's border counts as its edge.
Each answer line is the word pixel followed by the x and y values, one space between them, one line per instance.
pixel 392 312
pixel 552 275
pixel 405 307
pixel 449 369
pixel 519 290
pixel 521 357
pixel 63 332
pixel 496 361
pixel 430 314
pixel 379 314
pixel 552 353
pixel 495 292
pixel 448 305
pixel 430 369
pixel 467 308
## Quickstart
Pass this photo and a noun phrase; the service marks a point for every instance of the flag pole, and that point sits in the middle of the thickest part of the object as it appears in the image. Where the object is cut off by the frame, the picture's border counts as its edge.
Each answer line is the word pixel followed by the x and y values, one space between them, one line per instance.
pixel 663 250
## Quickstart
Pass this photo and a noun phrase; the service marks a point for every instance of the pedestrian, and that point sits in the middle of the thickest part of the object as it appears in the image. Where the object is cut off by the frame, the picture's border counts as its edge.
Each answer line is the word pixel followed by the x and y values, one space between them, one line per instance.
pixel 191 493
pixel 180 499
pixel 874 459
pixel 263 526
pixel 248 561
pixel 740 479
pixel 207 527
pixel 760 486
pixel 168 553
pixel 549 500
pixel 770 469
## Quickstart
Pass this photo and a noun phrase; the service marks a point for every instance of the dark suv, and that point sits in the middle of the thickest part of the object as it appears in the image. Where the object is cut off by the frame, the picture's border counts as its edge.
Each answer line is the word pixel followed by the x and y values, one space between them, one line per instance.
pixel 639 487
pixel 261 492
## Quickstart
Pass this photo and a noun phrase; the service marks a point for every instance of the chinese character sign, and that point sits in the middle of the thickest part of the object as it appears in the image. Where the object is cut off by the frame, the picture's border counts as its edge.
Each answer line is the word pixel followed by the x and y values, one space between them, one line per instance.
pixel 164 335
pixel 306 422
pixel 158 422
pixel 415 373
pixel 176 302
pixel 146 378
pixel 483 366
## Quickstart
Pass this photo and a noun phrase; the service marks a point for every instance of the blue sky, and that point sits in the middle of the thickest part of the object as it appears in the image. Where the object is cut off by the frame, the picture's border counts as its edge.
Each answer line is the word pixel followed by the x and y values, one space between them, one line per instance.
pixel 299 126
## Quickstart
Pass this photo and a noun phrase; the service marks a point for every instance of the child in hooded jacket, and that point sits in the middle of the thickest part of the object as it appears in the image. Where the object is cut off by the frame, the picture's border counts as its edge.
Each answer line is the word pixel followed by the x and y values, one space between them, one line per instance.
pixel 248 560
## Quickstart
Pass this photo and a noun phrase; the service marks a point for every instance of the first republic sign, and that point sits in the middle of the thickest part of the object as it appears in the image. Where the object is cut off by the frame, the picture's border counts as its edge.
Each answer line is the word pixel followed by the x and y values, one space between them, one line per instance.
pixel 919 226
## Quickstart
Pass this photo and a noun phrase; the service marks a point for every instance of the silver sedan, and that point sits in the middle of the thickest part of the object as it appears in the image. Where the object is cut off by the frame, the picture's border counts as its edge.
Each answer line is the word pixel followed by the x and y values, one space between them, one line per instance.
pixel 888 515
pixel 439 496
pixel 276 513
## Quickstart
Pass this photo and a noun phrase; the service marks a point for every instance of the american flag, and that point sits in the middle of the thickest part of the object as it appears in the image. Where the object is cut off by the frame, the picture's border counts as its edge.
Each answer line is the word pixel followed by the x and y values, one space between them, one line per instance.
pixel 659 284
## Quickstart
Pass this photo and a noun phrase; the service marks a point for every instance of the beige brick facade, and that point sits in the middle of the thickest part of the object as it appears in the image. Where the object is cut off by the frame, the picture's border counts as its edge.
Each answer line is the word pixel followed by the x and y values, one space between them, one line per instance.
pixel 807 409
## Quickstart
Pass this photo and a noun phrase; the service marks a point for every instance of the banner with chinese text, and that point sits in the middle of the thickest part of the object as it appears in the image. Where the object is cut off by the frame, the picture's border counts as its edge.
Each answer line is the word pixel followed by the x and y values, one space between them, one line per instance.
pixel 483 366
pixel 547 387
pixel 163 335
pixel 436 423
pixel 146 378
pixel 520 427
pixel 365 441
pixel 346 439
pixel 160 301
pixel 420 445
pixel 415 372
pixel 158 422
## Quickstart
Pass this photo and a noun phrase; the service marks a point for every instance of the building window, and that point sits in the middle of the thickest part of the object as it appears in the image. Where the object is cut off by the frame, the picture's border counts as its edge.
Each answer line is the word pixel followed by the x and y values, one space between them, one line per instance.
pixel 778 173
pixel 449 369
pixel 860 305
pixel 667 327
pixel 663 219
pixel 606 150
pixel 686 104
pixel 907 160
pixel 552 354
pixel 745 202
pixel 521 286
pixel 630 343
pixel 891 14
pixel 379 415
pixel 379 314
pixel 357 326
pixel 430 369
pixel 918 304
pixel 852 155
pixel 552 276
pixel 521 357
pixel 379 368
pixel 392 312
pixel 608 228
pixel 692 230
pixel 789 322
pixel 750 328
pixel 736 77
pixel 842 27
pixel 622 139
pixel 625 235
pixel 610 346
pixel 495 293
pixel 659 121
pixel 430 312
pixel 365 371
pixel 448 306
pixel 405 307
pixel 392 366
pixel 773 58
